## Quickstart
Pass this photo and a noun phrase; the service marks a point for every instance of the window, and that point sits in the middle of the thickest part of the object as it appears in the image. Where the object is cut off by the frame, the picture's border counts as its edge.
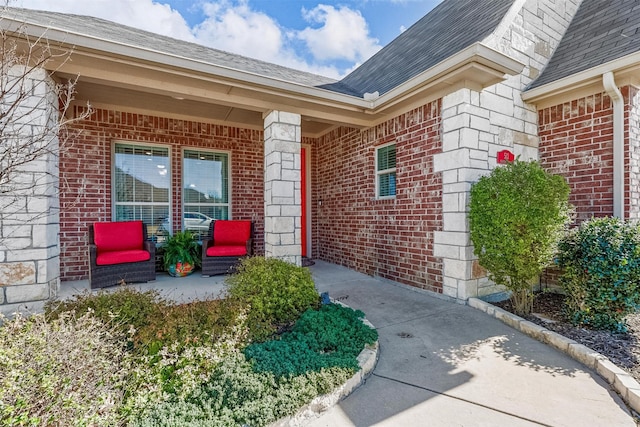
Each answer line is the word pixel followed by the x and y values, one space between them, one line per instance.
pixel 141 186
pixel 205 189
pixel 386 171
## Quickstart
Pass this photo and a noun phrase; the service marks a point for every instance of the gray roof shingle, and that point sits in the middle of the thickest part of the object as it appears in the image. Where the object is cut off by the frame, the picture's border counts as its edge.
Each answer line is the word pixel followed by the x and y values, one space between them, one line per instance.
pixel 450 27
pixel 600 32
pixel 107 30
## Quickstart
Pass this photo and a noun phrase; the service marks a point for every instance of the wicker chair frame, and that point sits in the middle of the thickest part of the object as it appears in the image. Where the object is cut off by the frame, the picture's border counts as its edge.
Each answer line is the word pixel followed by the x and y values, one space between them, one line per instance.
pixel 102 276
pixel 214 265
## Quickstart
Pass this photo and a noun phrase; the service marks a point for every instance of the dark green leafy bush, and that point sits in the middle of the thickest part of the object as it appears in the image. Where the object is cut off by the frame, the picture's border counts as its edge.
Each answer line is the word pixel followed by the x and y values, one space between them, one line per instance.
pixel 331 336
pixel 601 272
pixel 517 214
pixel 275 291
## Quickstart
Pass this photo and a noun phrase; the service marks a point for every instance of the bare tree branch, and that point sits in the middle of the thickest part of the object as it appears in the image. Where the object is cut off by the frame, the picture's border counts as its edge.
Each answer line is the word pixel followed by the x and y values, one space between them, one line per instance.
pixel 35 128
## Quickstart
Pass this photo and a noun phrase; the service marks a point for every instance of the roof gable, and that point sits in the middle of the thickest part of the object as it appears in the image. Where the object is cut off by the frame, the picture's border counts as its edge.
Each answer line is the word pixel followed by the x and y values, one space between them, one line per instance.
pixel 601 32
pixel 449 28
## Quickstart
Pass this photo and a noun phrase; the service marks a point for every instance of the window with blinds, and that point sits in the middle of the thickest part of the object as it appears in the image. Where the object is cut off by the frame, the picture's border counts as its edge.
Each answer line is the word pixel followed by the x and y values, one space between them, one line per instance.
pixel 141 187
pixel 386 171
pixel 205 189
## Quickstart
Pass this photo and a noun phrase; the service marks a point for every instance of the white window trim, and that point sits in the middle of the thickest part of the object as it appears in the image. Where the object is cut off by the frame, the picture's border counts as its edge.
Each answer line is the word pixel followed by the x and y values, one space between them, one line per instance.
pixel 385 171
pixel 113 174
pixel 213 151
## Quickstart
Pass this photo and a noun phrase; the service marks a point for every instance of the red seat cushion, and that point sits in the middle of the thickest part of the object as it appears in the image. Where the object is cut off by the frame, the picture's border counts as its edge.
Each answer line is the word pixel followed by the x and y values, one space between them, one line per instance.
pixel 118 236
pixel 231 232
pixel 227 251
pixel 121 257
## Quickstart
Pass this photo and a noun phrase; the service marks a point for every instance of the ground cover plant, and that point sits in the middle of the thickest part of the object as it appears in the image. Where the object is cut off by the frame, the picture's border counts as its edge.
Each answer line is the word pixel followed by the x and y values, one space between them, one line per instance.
pixel 131 358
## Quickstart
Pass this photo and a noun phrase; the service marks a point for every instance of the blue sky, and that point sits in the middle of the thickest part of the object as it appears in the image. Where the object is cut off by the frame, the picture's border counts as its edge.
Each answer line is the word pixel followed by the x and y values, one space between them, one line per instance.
pixel 326 37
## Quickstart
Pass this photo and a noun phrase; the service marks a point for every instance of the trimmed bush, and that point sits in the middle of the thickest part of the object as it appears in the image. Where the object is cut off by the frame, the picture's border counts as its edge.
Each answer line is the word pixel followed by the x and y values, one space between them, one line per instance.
pixel 276 293
pixel 68 372
pixel 601 272
pixel 331 336
pixel 517 215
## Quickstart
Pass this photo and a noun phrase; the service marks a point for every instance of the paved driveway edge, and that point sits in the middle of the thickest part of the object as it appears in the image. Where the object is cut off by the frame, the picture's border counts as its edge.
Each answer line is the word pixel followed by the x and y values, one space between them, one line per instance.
pixel 620 380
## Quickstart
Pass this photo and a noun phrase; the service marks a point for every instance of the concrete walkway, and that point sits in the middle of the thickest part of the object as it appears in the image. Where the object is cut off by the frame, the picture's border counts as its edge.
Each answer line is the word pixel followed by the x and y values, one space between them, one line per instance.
pixel 440 363
pixel 446 364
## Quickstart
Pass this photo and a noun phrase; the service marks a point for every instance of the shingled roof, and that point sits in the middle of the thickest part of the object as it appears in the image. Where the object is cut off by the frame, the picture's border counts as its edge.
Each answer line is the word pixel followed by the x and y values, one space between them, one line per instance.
pixel 450 27
pixel 601 31
pixel 122 34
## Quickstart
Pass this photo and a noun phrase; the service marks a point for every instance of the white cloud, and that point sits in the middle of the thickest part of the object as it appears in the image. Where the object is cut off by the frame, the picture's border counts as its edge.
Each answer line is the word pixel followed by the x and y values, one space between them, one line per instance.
pixel 343 34
pixel 236 28
pixel 143 14
pixel 233 26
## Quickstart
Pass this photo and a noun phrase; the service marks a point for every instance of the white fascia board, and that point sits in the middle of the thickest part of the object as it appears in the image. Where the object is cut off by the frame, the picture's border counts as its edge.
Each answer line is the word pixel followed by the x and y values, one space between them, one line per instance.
pixel 477 52
pixel 582 79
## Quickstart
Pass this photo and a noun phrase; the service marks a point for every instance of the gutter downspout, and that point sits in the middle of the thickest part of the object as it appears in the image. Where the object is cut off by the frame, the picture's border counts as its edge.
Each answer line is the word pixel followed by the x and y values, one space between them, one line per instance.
pixel 618 143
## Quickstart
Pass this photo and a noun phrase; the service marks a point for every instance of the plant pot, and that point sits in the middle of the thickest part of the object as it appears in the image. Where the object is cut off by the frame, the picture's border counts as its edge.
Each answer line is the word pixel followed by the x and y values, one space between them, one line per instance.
pixel 180 269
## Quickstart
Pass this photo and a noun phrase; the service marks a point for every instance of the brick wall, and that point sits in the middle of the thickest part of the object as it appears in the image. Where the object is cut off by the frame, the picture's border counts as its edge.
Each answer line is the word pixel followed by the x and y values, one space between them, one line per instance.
pixel 387 238
pixel 576 141
pixel 85 172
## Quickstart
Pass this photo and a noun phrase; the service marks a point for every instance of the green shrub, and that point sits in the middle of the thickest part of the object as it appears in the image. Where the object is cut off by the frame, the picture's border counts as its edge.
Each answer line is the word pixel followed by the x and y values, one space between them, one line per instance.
pixel 517 214
pixel 330 337
pixel 275 291
pixel 68 372
pixel 601 272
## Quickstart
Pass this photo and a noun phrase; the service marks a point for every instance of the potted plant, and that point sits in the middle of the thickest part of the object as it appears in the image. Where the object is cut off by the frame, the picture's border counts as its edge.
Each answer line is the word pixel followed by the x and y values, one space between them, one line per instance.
pixel 181 254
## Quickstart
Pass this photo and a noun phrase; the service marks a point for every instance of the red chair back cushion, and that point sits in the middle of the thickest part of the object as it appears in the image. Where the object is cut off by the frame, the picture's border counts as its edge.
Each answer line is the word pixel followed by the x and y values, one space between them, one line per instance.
pixel 231 232
pixel 227 250
pixel 118 236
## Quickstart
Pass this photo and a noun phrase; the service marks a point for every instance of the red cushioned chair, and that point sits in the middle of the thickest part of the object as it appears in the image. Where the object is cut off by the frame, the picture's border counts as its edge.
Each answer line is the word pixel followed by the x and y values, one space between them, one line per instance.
pixel 228 241
pixel 120 253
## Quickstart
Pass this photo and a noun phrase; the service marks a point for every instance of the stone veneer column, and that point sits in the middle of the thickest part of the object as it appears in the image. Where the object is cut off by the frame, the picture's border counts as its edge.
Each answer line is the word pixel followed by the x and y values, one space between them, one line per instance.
pixel 29 204
pixel 465 157
pixel 282 187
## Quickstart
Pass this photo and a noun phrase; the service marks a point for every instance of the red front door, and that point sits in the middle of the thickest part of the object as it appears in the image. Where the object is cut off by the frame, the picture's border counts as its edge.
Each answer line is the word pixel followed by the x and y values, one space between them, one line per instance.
pixel 303 201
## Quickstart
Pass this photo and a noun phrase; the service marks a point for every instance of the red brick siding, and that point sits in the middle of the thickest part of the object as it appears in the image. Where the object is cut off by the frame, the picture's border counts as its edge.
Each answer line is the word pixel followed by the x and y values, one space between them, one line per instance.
pixel 388 238
pixel 85 172
pixel 576 141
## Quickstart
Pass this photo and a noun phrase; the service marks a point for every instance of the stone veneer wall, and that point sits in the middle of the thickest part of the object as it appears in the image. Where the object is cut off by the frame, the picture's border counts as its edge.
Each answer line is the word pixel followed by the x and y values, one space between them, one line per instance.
pixel 477 124
pixel 390 238
pixel 86 170
pixel 632 162
pixel 29 251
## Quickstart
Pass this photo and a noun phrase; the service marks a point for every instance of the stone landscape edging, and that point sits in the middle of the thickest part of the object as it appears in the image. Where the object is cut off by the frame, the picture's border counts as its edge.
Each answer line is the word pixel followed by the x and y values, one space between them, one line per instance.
pixel 367 360
pixel 621 381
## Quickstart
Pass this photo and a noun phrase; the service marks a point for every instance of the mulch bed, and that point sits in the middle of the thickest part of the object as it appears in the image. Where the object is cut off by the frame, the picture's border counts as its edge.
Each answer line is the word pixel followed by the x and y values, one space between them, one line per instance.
pixel 623 349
